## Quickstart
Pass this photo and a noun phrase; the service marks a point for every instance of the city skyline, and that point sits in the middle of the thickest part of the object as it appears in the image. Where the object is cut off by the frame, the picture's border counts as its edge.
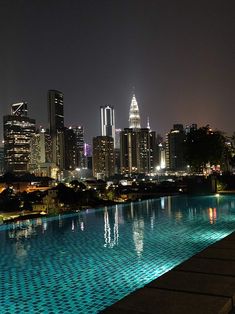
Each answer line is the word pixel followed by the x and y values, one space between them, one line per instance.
pixel 178 56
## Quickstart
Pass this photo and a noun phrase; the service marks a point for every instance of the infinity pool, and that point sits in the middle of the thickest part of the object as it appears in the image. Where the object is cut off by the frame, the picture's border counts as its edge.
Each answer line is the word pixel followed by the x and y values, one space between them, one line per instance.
pixel 85 262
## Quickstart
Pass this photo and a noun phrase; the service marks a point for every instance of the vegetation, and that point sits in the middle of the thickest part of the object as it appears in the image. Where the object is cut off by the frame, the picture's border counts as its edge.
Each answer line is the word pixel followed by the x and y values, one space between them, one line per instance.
pixel 204 146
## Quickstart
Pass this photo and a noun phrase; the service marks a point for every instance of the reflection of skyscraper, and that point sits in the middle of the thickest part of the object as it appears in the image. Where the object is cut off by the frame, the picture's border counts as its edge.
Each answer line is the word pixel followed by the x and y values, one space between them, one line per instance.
pixel 107 121
pixel 134 115
pixel 18 131
pixel 56 125
pixel 109 239
pixel 138 235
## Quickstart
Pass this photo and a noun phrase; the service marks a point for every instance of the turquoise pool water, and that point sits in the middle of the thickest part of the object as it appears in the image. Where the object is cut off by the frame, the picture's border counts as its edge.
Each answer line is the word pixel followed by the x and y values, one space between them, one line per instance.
pixel 84 262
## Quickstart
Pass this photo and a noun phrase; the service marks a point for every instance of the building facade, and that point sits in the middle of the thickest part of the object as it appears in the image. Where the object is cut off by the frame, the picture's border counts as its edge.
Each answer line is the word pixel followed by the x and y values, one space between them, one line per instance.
pixel 107 121
pixel 175 139
pixel 18 131
pixel 56 126
pixel 80 159
pixel 137 151
pixel 70 149
pixel 103 157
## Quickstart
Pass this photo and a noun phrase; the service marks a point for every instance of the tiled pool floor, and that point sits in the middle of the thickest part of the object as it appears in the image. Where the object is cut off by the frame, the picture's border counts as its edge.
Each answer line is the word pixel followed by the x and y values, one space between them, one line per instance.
pixel 84 262
pixel 204 283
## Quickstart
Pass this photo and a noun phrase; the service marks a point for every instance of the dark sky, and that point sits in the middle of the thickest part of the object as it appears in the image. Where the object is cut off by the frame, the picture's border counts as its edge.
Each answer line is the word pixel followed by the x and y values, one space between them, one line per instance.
pixel 179 55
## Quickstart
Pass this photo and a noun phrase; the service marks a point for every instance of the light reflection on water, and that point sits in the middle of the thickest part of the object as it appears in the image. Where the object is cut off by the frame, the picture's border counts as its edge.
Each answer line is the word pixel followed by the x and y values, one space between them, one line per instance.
pixel 95 257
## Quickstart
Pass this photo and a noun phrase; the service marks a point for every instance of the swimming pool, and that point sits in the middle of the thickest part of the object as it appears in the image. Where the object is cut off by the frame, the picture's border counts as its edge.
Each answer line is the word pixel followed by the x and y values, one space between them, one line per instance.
pixel 84 262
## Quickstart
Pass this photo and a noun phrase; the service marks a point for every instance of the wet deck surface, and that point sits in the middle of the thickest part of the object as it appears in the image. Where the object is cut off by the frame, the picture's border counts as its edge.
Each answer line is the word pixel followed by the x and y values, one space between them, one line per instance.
pixel 205 283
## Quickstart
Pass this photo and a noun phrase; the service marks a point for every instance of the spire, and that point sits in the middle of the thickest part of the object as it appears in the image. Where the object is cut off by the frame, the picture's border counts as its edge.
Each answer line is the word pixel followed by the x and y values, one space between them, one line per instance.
pixel 134 115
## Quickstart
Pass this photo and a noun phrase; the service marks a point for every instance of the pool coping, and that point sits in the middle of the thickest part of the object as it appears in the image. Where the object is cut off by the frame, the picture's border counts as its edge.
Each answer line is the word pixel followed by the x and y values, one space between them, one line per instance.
pixel 205 283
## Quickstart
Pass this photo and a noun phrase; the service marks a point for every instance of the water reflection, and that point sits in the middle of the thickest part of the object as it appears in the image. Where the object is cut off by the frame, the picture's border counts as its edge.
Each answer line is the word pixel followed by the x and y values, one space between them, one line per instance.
pixel 22 229
pixel 138 235
pixel 109 239
pixel 92 255
pixel 140 216
pixel 212 215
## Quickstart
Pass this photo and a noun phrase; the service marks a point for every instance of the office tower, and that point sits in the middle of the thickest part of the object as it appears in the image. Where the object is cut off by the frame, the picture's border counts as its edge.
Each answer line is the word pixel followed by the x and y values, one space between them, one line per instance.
pixel 70 145
pixel 37 147
pixel 103 157
pixel 107 121
pixel 18 131
pixel 134 115
pixel 137 151
pixel 175 148
pixel 161 156
pixel 56 126
pixel 1 159
pixel 117 138
pixel 40 159
pixel 80 155
pixel 88 156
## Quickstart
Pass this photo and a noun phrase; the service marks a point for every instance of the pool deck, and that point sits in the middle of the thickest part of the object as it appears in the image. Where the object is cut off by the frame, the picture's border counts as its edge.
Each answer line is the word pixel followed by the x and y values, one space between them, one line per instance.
pixel 205 283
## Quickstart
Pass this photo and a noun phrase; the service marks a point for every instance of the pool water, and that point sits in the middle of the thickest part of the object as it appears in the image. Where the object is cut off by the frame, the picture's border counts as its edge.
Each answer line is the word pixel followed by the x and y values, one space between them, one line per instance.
pixel 84 262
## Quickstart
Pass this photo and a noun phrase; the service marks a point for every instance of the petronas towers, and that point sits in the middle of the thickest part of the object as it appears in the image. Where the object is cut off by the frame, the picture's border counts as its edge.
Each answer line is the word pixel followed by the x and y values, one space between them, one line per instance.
pixel 134 114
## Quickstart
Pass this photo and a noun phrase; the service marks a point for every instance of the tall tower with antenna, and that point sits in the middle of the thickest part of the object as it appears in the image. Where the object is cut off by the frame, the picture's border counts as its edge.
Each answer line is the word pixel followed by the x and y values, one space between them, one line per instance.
pixel 134 114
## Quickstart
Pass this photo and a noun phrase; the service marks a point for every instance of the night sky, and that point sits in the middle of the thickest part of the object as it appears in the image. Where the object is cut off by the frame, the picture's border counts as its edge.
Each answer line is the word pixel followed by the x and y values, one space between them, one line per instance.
pixel 178 55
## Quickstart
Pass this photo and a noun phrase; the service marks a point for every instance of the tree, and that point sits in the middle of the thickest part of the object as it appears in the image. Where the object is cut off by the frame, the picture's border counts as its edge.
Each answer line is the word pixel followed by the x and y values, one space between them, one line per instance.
pixel 204 146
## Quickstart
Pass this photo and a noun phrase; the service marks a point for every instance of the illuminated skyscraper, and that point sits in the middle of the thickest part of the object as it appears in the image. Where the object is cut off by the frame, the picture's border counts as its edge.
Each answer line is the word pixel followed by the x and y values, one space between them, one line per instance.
pixel 40 158
pixel 175 160
pixel 56 126
pixel 70 149
pixel 103 157
pixel 18 131
pixel 137 151
pixel 107 121
pixel 80 154
pixel 134 115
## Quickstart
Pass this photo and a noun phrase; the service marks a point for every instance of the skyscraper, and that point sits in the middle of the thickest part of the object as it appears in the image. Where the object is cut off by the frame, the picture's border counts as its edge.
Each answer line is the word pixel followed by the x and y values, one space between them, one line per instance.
pixel 103 157
pixel 56 126
pixel 134 114
pixel 18 131
pixel 70 149
pixel 137 151
pixel 40 159
pixel 80 155
pixel 55 110
pixel 174 148
pixel 107 121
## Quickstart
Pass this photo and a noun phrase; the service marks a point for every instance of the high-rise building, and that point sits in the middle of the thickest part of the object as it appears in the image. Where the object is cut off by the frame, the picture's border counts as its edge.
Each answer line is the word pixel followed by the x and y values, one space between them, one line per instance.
pixel 70 149
pixel 1 159
pixel 107 121
pixel 40 159
pixel 174 148
pixel 80 154
pixel 56 126
pixel 18 131
pixel 134 114
pixel 103 157
pixel 137 151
